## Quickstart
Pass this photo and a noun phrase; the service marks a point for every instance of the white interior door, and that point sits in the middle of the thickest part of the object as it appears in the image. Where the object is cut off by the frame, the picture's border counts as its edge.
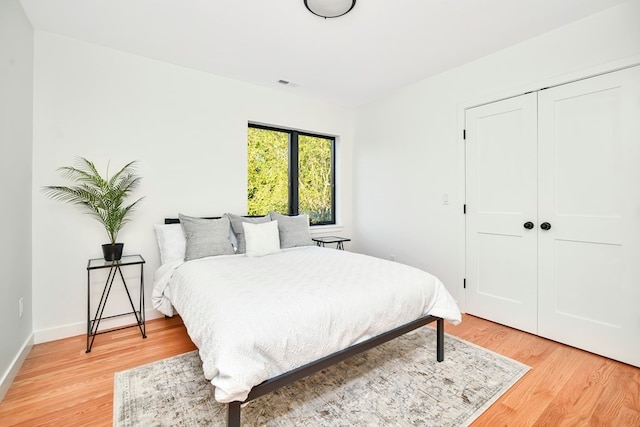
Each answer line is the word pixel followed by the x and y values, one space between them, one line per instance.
pixel 501 254
pixel 589 193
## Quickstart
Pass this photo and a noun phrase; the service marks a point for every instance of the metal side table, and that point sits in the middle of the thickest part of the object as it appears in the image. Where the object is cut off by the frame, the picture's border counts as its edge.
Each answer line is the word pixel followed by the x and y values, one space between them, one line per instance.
pixel 339 241
pixel 114 269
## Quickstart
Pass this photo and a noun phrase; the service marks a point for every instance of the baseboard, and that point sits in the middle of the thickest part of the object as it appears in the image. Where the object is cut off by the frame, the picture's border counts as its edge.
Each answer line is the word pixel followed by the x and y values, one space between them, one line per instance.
pixel 80 328
pixel 15 366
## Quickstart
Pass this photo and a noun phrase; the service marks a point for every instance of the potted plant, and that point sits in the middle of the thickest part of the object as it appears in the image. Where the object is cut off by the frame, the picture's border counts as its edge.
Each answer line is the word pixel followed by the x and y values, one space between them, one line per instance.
pixel 102 198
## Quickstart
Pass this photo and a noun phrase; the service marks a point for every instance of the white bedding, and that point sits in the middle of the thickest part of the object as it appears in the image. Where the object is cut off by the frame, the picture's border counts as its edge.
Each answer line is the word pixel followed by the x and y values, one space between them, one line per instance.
pixel 253 318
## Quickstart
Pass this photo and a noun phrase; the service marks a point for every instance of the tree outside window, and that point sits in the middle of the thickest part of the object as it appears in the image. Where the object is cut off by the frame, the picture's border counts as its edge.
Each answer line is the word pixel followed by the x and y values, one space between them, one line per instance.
pixel 291 172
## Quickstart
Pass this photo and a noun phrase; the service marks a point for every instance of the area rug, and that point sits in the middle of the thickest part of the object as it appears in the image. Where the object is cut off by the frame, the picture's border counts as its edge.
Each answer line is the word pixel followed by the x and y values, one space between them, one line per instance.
pixel 399 383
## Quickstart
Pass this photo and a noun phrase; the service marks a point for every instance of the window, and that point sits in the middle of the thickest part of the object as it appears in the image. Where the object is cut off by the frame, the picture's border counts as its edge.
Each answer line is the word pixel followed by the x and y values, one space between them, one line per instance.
pixel 291 172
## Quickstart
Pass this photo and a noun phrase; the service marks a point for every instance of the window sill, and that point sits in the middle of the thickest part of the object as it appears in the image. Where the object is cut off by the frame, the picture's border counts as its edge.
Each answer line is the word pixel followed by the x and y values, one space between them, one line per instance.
pixel 324 229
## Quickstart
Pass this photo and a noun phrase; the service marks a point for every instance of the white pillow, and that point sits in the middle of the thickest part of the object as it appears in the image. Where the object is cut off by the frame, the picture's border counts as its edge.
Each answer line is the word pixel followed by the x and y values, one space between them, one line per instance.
pixel 237 232
pixel 262 239
pixel 171 242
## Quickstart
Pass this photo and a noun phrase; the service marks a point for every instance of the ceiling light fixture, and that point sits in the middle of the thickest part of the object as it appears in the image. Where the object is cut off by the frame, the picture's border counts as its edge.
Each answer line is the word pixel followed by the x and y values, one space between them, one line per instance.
pixel 329 8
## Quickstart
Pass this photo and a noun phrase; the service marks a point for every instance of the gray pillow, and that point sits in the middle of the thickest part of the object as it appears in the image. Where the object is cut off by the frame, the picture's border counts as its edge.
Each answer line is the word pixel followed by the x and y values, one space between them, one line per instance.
pixel 206 237
pixel 238 230
pixel 294 230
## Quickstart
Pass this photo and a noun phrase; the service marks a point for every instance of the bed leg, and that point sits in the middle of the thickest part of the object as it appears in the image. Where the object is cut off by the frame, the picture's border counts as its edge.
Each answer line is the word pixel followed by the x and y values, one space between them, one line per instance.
pixel 233 414
pixel 440 340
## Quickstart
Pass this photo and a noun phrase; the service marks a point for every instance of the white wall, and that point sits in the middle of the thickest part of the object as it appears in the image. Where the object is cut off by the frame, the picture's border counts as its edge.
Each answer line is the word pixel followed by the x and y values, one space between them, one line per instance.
pixel 409 149
pixel 188 131
pixel 16 102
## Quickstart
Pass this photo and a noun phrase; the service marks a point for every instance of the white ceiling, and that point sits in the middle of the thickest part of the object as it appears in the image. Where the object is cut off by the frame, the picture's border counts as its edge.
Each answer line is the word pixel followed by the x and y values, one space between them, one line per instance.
pixel 379 46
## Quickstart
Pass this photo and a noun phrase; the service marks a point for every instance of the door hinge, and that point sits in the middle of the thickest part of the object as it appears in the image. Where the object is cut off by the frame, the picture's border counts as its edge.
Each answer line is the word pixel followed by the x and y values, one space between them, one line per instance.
pixel 464 209
pixel 464 283
pixel 464 134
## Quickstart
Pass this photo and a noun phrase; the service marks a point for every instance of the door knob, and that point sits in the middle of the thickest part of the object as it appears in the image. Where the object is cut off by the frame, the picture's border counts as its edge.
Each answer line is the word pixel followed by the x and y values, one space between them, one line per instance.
pixel 545 226
pixel 528 225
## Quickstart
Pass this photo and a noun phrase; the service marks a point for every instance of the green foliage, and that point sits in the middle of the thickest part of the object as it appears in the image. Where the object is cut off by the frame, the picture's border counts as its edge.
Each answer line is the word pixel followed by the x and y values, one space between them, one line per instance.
pixel 268 153
pixel 314 178
pixel 268 164
pixel 102 198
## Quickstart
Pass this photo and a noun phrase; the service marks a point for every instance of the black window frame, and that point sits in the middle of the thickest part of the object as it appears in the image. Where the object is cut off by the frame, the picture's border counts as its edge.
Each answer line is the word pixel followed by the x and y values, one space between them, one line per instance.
pixel 293 172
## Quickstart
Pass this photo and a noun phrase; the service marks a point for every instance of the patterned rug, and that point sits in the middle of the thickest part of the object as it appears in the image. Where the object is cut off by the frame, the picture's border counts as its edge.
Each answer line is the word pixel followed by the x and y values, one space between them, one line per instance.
pixel 399 383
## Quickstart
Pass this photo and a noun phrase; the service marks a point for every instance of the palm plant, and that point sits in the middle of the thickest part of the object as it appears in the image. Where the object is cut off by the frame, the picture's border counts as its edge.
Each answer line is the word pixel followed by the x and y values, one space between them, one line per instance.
pixel 101 198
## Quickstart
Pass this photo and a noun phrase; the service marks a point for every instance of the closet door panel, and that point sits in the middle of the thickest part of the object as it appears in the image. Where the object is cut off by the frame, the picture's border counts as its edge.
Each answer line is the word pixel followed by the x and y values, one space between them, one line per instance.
pixel 501 255
pixel 589 280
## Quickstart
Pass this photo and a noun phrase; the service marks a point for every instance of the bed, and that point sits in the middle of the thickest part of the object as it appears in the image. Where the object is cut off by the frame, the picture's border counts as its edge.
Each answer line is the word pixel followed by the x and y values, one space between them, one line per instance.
pixel 261 322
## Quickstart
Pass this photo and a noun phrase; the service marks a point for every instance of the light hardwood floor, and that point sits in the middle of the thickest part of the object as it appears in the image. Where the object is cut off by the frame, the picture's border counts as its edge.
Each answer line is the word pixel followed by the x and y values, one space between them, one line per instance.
pixel 60 385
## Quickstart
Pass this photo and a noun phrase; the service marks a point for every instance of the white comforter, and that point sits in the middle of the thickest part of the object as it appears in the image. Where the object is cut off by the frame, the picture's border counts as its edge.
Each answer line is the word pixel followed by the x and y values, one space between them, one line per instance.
pixel 255 318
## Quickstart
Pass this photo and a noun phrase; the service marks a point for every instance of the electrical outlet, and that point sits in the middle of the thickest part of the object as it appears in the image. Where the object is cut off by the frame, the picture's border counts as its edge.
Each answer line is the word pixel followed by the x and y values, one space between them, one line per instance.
pixel 20 307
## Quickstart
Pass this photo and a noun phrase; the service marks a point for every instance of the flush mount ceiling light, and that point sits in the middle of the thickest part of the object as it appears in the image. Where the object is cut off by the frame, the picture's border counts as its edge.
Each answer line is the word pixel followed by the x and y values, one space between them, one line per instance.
pixel 329 8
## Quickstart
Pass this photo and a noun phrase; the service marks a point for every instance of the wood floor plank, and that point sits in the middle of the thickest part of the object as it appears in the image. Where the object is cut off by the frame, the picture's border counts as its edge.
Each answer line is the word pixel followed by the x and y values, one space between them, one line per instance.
pixel 60 385
pixel 619 384
pixel 574 405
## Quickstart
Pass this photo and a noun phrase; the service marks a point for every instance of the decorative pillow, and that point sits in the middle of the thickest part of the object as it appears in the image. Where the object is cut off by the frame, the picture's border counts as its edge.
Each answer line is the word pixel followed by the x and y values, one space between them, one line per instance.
pixel 238 230
pixel 206 237
pixel 294 230
pixel 261 239
pixel 171 242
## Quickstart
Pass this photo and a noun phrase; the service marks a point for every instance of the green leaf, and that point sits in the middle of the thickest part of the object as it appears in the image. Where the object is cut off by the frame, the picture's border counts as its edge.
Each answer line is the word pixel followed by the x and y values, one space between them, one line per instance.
pixel 103 198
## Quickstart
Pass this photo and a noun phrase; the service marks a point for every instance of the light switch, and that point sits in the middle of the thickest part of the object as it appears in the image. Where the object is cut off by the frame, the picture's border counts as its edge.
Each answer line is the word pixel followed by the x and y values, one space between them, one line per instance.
pixel 445 198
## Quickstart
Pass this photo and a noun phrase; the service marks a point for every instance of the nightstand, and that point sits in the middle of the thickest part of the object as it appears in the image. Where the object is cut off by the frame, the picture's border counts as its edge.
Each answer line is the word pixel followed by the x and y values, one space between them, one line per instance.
pixel 322 241
pixel 115 269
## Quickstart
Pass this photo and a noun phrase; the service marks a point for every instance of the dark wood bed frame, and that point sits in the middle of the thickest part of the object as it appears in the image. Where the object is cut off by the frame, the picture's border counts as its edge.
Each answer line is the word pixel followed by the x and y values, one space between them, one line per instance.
pixel 233 413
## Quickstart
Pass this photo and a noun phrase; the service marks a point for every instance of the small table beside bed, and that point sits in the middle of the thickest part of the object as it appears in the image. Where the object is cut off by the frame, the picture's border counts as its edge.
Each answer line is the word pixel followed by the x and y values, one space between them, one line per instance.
pixel 263 320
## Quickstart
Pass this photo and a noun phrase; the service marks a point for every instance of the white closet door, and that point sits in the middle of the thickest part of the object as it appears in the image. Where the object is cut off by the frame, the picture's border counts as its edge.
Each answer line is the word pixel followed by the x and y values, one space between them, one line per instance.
pixel 589 192
pixel 501 254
